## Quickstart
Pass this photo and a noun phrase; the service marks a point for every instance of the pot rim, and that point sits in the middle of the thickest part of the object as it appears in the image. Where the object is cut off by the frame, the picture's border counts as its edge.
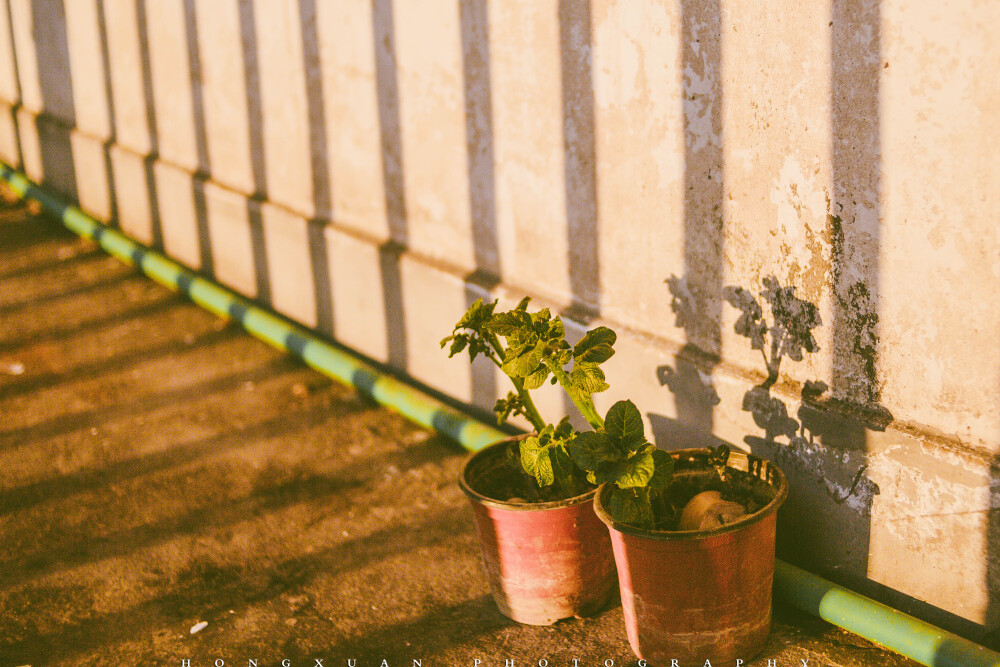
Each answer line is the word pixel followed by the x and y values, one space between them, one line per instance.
pixel 479 498
pixel 779 481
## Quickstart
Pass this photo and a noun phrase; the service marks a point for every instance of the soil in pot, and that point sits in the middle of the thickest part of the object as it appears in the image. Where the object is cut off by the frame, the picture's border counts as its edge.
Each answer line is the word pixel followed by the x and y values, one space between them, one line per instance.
pixel 545 558
pixel 693 596
pixel 693 477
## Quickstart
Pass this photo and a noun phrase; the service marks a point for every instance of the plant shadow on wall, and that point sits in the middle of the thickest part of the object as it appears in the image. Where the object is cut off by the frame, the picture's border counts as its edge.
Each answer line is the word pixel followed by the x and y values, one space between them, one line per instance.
pixel 789 334
pixel 689 380
pixel 831 484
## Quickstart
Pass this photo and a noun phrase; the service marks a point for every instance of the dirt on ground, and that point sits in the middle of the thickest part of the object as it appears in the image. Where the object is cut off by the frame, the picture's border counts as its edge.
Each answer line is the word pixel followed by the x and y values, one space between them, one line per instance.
pixel 174 490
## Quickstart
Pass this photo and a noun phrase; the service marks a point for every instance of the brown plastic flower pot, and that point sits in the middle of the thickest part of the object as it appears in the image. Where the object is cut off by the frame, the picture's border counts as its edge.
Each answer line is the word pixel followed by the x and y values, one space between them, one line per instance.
pixel 693 596
pixel 544 561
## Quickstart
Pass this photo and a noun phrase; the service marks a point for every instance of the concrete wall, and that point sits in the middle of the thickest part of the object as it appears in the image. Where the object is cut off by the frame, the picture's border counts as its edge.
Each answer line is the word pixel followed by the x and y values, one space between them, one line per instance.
pixel 369 167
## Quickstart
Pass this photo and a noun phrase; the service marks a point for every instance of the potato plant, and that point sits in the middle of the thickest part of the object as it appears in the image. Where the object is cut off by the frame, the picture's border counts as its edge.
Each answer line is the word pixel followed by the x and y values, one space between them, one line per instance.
pixel 531 348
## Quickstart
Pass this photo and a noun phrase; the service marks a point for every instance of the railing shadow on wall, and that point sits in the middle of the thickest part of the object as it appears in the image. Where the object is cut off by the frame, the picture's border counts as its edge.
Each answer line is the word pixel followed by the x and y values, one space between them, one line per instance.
pixel 478 92
pixel 255 138
pixel 856 163
pixel 206 259
pixel 697 294
pixel 393 179
pixel 55 84
pixel 148 162
pixel 320 167
pixel 579 155
pixel 109 104
pixel 576 65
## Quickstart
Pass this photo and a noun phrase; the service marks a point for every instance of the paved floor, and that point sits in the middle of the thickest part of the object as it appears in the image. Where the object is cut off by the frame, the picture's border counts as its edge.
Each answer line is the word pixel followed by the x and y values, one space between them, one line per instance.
pixel 161 470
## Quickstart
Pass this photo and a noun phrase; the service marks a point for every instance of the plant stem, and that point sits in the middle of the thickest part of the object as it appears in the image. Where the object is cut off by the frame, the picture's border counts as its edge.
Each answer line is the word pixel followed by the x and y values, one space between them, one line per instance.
pixel 773 364
pixel 494 342
pixel 583 403
pixel 531 412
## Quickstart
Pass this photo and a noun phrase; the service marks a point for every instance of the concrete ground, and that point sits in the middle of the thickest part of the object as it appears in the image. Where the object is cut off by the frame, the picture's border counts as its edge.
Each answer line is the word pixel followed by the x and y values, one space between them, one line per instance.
pixel 161 470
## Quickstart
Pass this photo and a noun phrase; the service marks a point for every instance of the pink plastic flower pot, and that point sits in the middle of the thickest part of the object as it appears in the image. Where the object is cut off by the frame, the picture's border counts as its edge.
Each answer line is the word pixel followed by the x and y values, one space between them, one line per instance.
pixel 544 561
pixel 693 596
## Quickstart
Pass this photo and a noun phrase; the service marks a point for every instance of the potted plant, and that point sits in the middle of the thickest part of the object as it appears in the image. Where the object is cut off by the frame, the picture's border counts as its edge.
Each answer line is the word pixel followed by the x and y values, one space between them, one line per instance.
pixel 693 533
pixel 546 554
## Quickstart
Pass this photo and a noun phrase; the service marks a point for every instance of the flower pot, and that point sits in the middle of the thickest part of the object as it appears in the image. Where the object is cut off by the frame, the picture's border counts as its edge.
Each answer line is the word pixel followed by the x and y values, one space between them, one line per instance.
pixel 544 561
pixel 693 596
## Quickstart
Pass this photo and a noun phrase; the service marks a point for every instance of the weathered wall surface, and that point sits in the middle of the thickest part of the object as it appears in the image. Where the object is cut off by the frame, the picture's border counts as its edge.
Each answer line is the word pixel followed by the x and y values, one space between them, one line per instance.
pixel 369 167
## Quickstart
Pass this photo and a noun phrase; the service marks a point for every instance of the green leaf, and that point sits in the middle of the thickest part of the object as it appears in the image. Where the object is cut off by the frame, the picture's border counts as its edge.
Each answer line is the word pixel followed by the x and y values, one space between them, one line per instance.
pixel 544 472
pixel 556 331
pixel 663 468
pixel 624 423
pixel 635 471
pixel 589 449
pixel 457 345
pixel 595 346
pixel 564 430
pixel 597 354
pixel 471 315
pixel 594 338
pixel 588 378
pixel 523 304
pixel 559 356
pixel 524 363
pixel 630 506
pixel 477 314
pixel 606 471
pixel 504 324
pixel 530 447
pixel 561 465
pixel 505 407
pixel 537 378
pixel 536 459
pixel 544 457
